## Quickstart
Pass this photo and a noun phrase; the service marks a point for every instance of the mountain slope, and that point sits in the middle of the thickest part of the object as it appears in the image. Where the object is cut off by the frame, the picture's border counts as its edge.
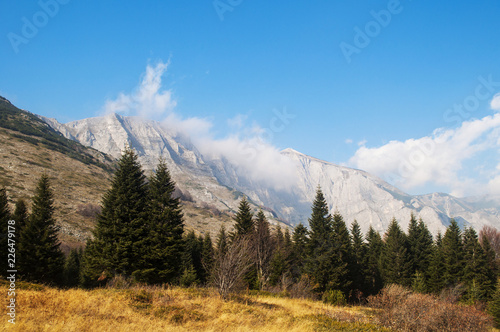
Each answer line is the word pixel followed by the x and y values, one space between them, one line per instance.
pixel 79 175
pixel 354 193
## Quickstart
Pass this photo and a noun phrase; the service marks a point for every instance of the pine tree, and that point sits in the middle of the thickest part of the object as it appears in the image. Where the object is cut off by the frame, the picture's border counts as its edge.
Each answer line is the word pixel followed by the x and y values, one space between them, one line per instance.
pixel 244 219
pixel 477 276
pixel 165 226
pixel 193 246
pixel 395 264
pixel 373 254
pixel 40 258
pixel 358 267
pixel 72 268
pixel 299 248
pixel 452 249
pixel 20 215
pixel 120 235
pixel 320 250
pixel 420 247
pixel 207 257
pixel 281 261
pixel 341 258
pixel 494 305
pixel 413 238
pixel 4 219
pixel 437 267
pixel 221 244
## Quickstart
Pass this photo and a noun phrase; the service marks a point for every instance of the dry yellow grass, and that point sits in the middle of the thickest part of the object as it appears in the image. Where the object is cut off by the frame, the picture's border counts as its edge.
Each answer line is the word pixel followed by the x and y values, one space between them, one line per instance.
pixel 175 309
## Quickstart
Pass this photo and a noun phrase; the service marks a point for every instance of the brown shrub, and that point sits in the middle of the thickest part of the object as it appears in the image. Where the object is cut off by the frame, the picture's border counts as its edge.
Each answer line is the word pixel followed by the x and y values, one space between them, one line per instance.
pixel 403 310
pixel 303 289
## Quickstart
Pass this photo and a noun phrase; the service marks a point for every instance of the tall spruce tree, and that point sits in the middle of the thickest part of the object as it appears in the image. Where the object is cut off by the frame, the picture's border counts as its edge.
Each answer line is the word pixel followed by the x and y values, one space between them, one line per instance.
pixel 395 263
pixel 494 305
pixel 453 254
pixel 374 246
pixel 221 243
pixel 72 268
pixel 120 235
pixel 300 239
pixel 437 267
pixel 420 247
pixel 477 276
pixel 244 219
pixel 40 257
pixel 359 264
pixel 165 226
pixel 4 219
pixel 207 257
pixel 20 215
pixel 320 249
pixel 193 246
pixel 413 235
pixel 341 258
pixel 280 264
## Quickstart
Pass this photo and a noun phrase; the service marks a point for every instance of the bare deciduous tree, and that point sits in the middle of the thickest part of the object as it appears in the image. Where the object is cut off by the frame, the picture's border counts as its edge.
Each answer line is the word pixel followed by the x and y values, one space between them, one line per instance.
pixel 264 248
pixel 493 236
pixel 231 265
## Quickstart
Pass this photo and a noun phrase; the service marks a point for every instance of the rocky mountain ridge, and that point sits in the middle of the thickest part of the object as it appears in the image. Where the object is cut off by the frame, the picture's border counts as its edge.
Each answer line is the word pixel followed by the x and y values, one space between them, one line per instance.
pixel 354 193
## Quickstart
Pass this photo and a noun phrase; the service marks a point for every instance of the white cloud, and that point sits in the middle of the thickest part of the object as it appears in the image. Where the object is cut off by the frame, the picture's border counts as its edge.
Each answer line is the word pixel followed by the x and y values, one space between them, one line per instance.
pixel 148 99
pixel 441 159
pixel 253 158
pixel 495 102
pixel 348 141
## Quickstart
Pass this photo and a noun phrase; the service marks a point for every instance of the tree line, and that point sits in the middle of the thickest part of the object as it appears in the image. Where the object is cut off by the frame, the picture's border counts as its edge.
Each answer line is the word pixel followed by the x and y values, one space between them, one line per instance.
pixel 140 235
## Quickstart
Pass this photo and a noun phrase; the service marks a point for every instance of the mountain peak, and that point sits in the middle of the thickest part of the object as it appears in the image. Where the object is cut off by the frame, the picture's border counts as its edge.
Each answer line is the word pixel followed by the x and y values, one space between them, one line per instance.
pixel 290 151
pixel 5 100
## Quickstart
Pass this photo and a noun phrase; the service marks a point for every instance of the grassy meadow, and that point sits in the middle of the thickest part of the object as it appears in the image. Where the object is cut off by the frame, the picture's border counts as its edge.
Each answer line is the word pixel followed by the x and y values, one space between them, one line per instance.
pixel 175 309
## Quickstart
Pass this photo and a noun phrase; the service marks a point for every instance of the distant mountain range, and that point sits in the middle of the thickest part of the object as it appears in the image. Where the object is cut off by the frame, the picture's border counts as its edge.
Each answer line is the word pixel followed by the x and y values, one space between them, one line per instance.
pixel 218 182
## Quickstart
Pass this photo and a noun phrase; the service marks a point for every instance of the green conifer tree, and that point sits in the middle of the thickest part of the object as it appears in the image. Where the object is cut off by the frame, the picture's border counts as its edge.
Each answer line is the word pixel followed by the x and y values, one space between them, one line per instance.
pixel 319 265
pixel 72 268
pixel 374 248
pixel 221 244
pixel 165 226
pixel 20 215
pixel 420 247
pixel 477 276
pixel 453 254
pixel 40 257
pixel 207 257
pixel 341 258
pixel 299 239
pixel 358 266
pixel 244 219
pixel 121 233
pixel 395 263
pixel 437 267
pixel 494 305
pixel 193 246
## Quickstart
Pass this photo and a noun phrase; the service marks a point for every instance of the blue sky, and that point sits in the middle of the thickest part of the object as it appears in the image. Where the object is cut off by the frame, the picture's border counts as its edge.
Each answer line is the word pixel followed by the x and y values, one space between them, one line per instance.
pixel 366 110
